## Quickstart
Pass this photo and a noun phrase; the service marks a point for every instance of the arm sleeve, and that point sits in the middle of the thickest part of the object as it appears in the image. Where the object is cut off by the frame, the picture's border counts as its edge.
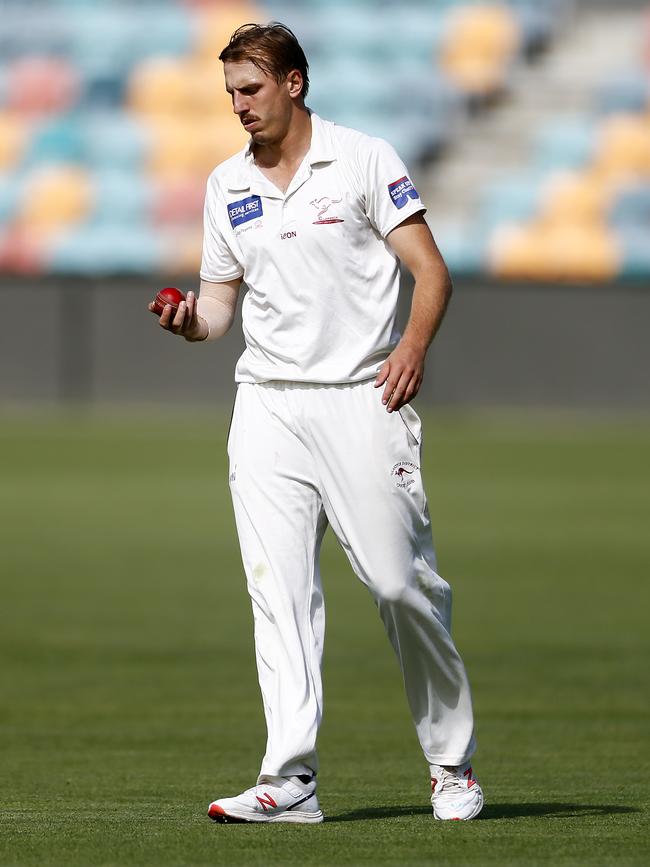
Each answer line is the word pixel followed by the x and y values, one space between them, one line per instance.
pixel 218 262
pixel 389 193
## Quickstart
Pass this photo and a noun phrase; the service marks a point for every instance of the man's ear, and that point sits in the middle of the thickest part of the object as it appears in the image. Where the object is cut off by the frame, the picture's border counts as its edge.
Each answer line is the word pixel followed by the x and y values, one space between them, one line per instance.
pixel 295 83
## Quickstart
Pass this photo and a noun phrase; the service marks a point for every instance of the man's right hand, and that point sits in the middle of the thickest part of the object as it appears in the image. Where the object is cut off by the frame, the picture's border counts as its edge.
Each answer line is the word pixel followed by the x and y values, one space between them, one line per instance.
pixel 185 321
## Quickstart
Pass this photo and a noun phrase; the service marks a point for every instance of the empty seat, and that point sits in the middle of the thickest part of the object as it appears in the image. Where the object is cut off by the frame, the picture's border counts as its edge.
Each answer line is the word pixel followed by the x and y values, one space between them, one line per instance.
pixel 120 196
pixel 624 146
pixel 565 143
pixel 464 250
pixel 575 196
pixel 182 246
pixel 115 139
pixel 10 196
pixel 55 196
pixel 107 249
pixel 635 252
pixel 178 200
pixel 41 85
pixel 22 251
pixel 13 138
pixel 511 199
pixel 215 24
pixel 58 139
pixel 630 208
pixel 164 84
pixel 192 147
pixel 561 250
pixel 480 44
pixel 627 92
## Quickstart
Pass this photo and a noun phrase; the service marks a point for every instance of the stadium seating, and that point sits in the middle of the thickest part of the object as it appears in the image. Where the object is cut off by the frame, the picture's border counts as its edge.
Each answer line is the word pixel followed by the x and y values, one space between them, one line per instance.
pixel 112 115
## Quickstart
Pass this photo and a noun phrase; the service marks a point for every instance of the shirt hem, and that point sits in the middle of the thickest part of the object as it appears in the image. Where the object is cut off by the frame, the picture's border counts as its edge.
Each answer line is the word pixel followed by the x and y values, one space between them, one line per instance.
pixel 400 217
pixel 220 279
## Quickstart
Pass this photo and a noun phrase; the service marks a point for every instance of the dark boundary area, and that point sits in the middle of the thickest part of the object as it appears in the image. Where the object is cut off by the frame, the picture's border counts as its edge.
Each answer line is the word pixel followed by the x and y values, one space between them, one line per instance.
pixel 80 341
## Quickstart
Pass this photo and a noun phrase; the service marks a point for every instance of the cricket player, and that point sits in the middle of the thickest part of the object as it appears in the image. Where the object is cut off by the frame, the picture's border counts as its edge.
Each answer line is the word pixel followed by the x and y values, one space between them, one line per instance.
pixel 315 218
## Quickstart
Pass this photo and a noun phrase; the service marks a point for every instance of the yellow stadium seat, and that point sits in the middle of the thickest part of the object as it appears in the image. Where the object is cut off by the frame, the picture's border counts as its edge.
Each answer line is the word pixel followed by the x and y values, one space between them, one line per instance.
pixel 556 251
pixel 185 146
pixel 624 146
pixel 218 23
pixel 13 136
pixel 178 85
pixel 481 42
pixel 55 197
pixel 576 196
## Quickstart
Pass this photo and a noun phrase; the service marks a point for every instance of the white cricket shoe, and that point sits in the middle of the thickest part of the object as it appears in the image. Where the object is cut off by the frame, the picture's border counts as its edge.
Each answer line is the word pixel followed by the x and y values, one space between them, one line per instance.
pixel 273 799
pixel 455 793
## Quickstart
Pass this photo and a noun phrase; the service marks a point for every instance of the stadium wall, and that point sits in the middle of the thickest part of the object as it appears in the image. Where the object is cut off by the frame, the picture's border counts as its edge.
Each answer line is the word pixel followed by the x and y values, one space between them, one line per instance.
pixel 501 345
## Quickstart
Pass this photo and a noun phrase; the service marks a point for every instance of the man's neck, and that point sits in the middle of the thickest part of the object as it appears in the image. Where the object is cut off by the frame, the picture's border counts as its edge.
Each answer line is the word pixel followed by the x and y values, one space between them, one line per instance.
pixel 291 150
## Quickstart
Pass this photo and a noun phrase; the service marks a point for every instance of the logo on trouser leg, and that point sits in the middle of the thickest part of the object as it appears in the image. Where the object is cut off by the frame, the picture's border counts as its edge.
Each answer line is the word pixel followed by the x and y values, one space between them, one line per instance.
pixel 402 474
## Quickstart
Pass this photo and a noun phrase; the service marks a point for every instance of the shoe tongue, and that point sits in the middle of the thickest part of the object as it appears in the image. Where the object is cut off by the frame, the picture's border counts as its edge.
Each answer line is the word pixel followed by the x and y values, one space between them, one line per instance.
pixel 303 782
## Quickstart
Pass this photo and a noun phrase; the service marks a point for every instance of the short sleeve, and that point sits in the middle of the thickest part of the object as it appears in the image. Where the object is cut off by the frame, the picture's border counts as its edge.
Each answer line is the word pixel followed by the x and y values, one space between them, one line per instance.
pixel 218 262
pixel 389 192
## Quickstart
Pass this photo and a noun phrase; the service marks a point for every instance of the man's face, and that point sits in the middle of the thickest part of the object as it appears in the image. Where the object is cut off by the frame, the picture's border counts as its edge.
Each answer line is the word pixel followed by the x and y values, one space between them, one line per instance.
pixel 262 104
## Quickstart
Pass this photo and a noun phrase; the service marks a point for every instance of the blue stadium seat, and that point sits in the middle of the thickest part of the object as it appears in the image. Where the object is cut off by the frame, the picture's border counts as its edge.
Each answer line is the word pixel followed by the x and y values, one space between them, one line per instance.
pixel 565 143
pixel 115 139
pixel 107 249
pixel 632 208
pixel 464 251
pixel 57 140
pixel 121 196
pixel 33 29
pixel 10 193
pixel 511 199
pixel 629 92
pixel 636 252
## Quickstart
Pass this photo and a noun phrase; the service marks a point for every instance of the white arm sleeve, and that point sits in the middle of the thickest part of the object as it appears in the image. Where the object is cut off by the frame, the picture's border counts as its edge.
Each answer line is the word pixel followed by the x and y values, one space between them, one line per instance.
pixel 218 262
pixel 390 194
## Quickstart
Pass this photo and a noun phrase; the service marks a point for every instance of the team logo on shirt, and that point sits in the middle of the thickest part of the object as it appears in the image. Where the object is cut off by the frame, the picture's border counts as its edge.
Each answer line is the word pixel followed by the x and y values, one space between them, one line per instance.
pixel 323 205
pixel 244 210
pixel 402 474
pixel 401 191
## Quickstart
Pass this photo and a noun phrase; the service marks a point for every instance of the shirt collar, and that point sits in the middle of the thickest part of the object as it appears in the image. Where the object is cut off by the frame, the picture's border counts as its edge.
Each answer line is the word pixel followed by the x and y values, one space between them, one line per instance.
pixel 321 150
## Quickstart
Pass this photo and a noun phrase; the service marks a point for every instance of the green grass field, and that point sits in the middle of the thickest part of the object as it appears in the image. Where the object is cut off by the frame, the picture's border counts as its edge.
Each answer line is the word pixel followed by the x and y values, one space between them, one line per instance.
pixel 128 690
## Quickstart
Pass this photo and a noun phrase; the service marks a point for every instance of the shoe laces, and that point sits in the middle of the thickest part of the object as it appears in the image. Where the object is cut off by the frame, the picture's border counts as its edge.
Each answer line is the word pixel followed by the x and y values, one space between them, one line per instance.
pixel 449 782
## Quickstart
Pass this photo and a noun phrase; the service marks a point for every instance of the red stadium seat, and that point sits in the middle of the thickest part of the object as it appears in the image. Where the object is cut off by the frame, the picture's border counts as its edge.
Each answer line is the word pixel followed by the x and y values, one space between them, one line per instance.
pixel 41 85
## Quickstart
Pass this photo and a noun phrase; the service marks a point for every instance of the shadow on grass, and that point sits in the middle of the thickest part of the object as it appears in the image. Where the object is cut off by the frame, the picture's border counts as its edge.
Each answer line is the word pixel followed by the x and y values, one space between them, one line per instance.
pixel 493 811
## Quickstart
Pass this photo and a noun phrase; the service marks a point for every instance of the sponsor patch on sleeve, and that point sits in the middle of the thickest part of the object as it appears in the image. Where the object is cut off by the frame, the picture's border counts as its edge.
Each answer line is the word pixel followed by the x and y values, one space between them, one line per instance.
pixel 401 191
pixel 244 210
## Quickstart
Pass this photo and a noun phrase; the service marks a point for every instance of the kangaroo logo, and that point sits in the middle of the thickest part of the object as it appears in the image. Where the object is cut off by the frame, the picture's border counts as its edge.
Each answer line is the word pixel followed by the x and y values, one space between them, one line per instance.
pixel 401 472
pixel 323 205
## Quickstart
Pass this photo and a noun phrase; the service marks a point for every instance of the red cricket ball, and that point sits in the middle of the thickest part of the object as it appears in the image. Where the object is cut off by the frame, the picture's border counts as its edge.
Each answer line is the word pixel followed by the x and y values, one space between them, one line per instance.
pixel 170 295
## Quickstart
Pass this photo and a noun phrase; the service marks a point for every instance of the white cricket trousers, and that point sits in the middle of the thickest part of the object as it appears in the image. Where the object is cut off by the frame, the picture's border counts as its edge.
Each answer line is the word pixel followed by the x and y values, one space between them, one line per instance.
pixel 304 456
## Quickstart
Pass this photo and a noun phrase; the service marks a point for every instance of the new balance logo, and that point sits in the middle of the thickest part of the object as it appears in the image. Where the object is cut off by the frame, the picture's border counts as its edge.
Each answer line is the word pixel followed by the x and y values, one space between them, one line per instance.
pixel 470 779
pixel 266 802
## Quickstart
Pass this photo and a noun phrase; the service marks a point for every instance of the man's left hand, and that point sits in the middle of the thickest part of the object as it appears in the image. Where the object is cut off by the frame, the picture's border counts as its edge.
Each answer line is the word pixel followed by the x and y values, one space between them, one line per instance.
pixel 401 375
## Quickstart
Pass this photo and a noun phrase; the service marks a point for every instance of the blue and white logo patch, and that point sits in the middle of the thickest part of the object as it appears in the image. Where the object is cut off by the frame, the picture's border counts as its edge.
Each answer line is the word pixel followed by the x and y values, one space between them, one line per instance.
pixel 244 210
pixel 401 191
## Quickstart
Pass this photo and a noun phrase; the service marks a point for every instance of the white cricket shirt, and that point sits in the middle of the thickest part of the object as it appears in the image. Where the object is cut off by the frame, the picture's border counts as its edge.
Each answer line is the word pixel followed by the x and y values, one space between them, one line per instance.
pixel 322 282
